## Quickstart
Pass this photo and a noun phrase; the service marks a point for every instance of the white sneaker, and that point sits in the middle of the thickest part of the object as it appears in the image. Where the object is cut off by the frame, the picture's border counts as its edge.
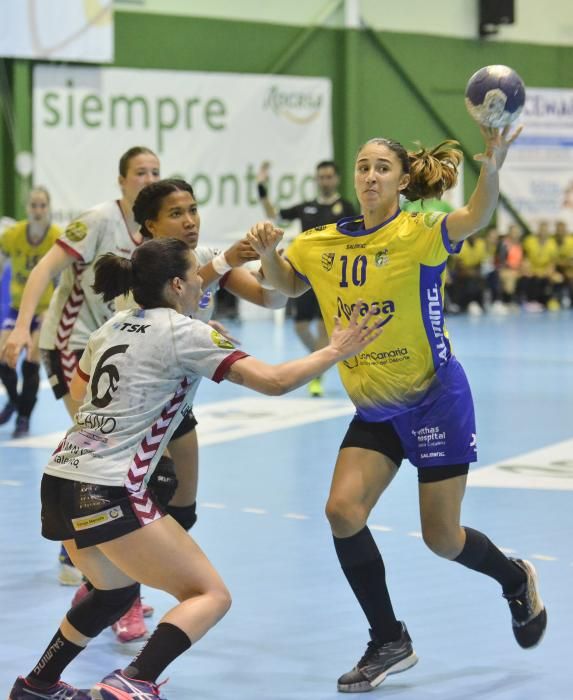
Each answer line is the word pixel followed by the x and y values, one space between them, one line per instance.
pixel 474 309
pixel 498 308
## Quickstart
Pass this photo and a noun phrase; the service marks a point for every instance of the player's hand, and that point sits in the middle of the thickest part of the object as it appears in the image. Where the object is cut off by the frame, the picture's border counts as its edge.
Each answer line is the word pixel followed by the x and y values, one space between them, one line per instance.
pixel 240 253
pixel 264 238
pixel 224 331
pixel 361 331
pixel 497 143
pixel 264 173
pixel 16 342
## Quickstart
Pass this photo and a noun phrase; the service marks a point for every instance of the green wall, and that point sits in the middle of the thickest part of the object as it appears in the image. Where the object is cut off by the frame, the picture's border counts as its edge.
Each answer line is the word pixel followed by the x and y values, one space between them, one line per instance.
pixel 408 87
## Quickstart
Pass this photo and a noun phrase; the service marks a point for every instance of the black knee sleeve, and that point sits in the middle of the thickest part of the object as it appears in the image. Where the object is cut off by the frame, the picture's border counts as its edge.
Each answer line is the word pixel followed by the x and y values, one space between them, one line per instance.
pixel 30 386
pixel 99 609
pixel 186 516
pixel 163 482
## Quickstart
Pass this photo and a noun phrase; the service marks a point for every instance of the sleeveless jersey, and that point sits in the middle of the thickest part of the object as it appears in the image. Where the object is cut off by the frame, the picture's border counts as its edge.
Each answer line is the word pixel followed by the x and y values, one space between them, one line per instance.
pixel 143 368
pixel 75 309
pixel 398 270
pixel 24 256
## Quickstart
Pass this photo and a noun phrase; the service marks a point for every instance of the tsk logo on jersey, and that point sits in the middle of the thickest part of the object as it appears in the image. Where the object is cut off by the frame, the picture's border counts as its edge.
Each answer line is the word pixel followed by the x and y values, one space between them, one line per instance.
pixel 327 261
pixel 381 258
pixel 76 231
pixel 384 309
pixel 131 327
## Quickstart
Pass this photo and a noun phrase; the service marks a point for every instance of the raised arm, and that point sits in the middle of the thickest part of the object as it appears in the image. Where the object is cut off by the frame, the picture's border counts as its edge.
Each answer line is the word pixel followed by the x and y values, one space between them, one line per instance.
pixel 477 213
pixel 264 237
pixel 275 380
pixel 247 285
pixel 55 261
pixel 235 256
pixel 263 190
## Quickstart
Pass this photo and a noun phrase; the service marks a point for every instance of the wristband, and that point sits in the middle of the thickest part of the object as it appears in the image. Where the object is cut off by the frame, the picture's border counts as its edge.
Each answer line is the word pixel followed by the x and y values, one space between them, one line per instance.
pixel 220 264
pixel 262 190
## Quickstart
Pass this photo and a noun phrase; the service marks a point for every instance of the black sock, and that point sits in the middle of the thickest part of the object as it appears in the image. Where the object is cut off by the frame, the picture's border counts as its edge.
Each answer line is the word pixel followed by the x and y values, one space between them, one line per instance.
pixel 480 554
pixel 59 653
pixel 30 386
pixel 9 378
pixel 164 646
pixel 363 567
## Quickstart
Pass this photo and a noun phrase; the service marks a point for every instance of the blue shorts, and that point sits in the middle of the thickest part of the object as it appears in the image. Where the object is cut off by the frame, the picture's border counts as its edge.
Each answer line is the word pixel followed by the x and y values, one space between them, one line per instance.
pixel 10 321
pixel 439 432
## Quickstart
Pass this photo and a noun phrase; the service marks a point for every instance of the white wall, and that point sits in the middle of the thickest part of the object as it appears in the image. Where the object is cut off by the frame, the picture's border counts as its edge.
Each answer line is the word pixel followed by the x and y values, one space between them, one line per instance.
pixel 537 22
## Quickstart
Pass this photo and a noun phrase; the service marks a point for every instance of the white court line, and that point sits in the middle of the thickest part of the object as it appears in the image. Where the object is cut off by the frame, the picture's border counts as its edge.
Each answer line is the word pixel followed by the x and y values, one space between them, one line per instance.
pixel 296 516
pixel 255 511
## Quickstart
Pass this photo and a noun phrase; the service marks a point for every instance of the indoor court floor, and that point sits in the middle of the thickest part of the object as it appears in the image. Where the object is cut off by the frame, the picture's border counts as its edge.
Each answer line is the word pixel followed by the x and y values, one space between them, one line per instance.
pixel 294 626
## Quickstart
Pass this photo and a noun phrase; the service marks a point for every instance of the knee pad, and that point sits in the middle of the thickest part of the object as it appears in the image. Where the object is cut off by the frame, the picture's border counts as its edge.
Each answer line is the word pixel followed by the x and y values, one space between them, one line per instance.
pixel 100 609
pixel 186 516
pixel 163 482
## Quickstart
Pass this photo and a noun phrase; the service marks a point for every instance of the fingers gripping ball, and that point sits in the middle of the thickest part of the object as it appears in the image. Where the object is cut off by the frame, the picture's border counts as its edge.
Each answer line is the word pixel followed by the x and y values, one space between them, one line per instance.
pixel 495 96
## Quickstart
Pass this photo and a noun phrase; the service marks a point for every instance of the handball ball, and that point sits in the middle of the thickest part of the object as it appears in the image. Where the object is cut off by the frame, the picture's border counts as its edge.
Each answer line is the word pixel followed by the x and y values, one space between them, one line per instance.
pixel 495 96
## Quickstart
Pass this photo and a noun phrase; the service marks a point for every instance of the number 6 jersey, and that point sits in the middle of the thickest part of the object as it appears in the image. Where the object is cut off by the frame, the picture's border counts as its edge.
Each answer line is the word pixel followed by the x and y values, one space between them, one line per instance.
pixel 143 368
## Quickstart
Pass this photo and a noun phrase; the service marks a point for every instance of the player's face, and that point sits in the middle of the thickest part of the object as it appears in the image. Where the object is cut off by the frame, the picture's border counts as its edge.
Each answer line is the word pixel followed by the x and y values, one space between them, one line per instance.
pixel 178 217
pixel 38 207
pixel 142 170
pixel 192 291
pixel 378 178
pixel 327 181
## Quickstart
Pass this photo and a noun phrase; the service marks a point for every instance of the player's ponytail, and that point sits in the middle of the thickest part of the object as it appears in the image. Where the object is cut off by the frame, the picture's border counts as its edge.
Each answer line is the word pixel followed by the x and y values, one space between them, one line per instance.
pixel 152 265
pixel 433 171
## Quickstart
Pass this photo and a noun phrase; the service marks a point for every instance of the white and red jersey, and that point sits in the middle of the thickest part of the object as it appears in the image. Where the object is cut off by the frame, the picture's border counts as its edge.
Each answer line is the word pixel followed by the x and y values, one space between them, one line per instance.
pixel 75 309
pixel 143 368
pixel 207 301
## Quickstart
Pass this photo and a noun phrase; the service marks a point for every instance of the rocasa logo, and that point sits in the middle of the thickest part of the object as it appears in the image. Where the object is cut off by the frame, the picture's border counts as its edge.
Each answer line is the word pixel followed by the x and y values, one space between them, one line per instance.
pixel 297 106
pixel 384 308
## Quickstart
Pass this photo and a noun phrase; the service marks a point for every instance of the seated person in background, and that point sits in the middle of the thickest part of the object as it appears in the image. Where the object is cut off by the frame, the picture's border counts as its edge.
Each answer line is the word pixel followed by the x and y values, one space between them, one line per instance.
pixel 510 264
pixel 490 271
pixel 540 273
pixel 467 282
pixel 564 264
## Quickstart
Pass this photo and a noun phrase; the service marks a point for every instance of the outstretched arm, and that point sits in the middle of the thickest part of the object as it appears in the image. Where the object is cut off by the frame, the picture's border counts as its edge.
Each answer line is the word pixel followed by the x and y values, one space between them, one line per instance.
pixel 235 256
pixel 477 213
pixel 275 380
pixel 263 190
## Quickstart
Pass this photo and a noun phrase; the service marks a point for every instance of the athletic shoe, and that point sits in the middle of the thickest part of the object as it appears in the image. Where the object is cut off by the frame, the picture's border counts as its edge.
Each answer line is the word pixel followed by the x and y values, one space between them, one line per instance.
pixel 22 427
pixel 528 614
pixel 379 661
pixel 22 690
pixel 82 592
pixel 68 575
pixel 131 625
pixel 7 412
pixel 315 387
pixel 117 686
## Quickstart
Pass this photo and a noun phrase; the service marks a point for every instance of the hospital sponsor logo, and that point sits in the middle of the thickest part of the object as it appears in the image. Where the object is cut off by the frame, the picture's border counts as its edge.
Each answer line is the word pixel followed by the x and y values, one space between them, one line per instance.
pixel 382 311
pixel 298 106
pixel 430 439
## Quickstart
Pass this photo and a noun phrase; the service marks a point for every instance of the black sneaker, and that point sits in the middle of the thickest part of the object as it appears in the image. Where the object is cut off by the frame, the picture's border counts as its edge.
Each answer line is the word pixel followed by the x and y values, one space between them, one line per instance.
pixel 528 614
pixel 22 427
pixel 6 412
pixel 379 661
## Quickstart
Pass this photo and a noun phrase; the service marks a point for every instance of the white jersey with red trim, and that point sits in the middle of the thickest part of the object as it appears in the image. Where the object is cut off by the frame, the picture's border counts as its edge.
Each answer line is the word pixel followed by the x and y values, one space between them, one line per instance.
pixel 207 301
pixel 75 309
pixel 143 368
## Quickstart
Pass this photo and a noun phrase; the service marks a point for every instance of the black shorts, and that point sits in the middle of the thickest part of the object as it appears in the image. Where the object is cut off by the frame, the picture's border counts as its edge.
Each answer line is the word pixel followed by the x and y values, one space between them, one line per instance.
pixel 188 424
pixel 57 366
pixel 382 437
pixel 306 307
pixel 91 514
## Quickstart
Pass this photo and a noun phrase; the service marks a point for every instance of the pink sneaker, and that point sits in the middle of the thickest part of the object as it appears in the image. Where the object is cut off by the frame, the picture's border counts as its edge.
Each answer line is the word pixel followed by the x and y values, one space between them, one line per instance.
pixel 131 626
pixel 82 592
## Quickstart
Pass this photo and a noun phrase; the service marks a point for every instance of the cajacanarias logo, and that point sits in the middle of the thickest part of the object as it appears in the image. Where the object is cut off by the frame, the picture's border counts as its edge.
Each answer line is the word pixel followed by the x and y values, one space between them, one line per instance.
pixel 384 308
pixel 297 106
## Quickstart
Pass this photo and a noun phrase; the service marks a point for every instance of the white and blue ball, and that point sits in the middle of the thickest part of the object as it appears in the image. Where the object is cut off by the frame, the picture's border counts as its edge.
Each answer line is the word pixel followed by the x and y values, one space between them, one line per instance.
pixel 495 96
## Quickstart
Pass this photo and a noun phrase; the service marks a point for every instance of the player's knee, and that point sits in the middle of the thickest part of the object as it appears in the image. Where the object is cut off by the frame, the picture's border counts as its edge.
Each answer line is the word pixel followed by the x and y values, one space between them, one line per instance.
pixel 345 516
pixel 186 516
pixel 441 540
pixel 99 609
pixel 222 600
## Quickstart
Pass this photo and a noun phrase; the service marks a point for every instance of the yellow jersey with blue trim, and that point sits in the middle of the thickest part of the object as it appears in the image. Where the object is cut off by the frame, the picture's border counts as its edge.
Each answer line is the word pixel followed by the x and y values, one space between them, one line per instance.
pixel 24 254
pixel 397 270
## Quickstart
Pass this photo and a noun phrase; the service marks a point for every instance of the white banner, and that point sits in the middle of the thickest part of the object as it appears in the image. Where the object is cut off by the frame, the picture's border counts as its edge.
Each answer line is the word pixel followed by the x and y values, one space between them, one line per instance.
pixel 57 30
pixel 212 129
pixel 537 176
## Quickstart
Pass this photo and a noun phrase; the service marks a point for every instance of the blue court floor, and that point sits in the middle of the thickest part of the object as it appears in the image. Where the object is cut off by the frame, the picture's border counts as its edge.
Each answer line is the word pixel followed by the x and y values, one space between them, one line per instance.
pixel 265 470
